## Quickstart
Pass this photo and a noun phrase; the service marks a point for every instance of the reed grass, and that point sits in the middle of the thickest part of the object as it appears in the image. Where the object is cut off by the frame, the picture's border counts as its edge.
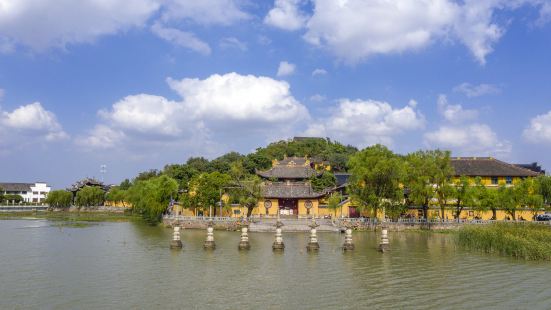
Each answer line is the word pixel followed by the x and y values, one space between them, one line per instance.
pixel 519 240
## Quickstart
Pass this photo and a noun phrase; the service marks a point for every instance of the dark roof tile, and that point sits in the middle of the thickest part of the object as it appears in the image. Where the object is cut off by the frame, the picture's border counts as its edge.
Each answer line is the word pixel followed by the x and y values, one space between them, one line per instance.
pixel 289 190
pixel 488 167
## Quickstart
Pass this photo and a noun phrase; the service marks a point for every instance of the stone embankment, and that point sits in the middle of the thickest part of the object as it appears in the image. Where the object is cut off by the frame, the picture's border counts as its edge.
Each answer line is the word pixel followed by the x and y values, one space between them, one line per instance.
pixel 303 225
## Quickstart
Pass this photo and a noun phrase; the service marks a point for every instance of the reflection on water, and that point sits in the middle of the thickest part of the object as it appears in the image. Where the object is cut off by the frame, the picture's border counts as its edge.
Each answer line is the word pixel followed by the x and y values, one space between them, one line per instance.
pixel 129 265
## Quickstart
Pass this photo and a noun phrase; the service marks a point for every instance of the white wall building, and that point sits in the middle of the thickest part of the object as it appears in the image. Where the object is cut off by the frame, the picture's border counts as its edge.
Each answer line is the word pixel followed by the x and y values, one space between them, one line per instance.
pixel 31 192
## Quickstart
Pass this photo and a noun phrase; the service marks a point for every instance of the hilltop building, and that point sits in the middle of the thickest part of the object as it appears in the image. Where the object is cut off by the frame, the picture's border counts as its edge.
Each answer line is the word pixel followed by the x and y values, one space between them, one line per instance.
pixel 30 192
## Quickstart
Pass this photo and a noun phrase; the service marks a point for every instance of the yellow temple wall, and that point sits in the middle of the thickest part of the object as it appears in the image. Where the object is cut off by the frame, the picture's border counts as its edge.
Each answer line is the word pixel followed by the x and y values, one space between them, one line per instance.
pixel 302 208
pixel 468 214
pixel 487 181
pixel 261 210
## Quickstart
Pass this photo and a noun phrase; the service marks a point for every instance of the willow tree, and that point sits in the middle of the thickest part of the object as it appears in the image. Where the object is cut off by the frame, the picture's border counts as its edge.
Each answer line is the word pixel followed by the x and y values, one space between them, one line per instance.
pixel 150 198
pixel 428 175
pixel 376 174
pixel 59 199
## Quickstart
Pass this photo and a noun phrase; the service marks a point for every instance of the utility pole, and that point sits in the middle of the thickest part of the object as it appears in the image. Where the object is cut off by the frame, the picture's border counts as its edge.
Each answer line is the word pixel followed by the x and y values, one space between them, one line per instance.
pixel 102 171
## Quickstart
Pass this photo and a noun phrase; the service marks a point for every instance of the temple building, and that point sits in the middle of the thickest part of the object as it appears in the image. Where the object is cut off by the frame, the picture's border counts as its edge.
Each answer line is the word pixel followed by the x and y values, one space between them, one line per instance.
pixel 287 188
pixel 492 172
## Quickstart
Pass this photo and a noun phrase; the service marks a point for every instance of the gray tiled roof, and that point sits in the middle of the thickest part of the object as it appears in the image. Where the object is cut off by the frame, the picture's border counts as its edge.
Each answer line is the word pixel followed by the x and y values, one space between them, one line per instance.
pixel 488 167
pixel 290 168
pixel 289 190
pixel 86 182
pixel 288 172
pixel 16 187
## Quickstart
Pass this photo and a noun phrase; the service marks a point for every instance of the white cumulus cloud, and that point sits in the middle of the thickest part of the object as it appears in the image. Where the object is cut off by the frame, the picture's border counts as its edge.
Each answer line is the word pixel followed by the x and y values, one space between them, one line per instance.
pixel 455 113
pixel 356 29
pixel 539 129
pixel 41 24
pixel 366 122
pixel 241 106
pixel 468 140
pixel 285 68
pixel 286 14
pixel 33 120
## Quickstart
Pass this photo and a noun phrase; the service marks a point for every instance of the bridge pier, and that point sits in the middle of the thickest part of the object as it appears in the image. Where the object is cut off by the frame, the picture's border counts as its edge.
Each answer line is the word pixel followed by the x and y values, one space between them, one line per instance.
pixel 348 244
pixel 176 243
pixel 278 244
pixel 209 243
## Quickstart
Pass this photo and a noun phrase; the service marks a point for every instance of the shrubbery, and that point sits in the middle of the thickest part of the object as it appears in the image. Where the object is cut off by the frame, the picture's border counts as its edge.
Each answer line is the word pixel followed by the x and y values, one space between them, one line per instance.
pixel 520 240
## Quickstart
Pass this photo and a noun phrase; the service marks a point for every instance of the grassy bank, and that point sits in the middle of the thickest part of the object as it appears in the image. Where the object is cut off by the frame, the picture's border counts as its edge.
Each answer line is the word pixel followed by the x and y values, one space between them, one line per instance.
pixel 525 241
pixel 71 216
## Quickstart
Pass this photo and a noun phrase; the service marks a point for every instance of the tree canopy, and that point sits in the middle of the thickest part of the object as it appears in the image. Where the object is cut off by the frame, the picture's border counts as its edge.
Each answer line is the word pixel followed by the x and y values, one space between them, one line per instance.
pixel 90 196
pixel 59 199
pixel 376 176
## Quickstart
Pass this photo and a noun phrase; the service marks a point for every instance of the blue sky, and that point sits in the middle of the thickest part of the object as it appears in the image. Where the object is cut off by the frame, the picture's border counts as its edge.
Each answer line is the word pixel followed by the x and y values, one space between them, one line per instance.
pixel 98 82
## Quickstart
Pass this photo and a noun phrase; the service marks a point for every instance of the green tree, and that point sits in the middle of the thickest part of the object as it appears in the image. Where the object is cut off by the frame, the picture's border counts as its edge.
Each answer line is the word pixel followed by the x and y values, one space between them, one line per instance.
pixel 507 199
pixel 544 188
pixel 146 175
pixel 205 190
pixel 481 197
pixel 334 202
pixel 528 193
pixel 90 196
pixel 418 180
pixel 125 184
pixel 11 198
pixel 324 181
pixel 59 199
pixel 1 195
pixel 151 198
pixel 181 173
pixel 249 187
pixel 116 195
pixel 463 195
pixel 375 178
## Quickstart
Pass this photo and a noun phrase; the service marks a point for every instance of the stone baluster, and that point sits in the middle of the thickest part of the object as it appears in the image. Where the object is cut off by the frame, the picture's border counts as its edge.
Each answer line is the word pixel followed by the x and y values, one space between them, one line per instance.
pixel 384 245
pixel 278 244
pixel 313 244
pixel 244 242
pixel 209 243
pixel 176 243
pixel 348 244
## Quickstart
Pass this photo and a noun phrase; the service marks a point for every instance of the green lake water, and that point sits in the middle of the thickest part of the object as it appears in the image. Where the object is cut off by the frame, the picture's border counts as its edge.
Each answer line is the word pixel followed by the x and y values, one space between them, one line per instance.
pixel 128 265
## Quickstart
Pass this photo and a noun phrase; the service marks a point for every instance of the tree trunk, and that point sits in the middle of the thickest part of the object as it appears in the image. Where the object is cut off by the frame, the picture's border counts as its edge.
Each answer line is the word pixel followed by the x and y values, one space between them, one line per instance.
pixel 442 212
pixel 250 210
pixel 494 214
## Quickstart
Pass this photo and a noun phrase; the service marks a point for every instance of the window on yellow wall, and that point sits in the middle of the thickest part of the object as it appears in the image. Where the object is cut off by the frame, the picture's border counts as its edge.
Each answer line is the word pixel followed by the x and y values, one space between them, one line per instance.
pixel 508 180
pixel 494 180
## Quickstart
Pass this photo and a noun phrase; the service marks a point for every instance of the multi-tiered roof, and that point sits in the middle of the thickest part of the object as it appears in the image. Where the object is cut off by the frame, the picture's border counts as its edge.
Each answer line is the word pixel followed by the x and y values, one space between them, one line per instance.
pixel 289 179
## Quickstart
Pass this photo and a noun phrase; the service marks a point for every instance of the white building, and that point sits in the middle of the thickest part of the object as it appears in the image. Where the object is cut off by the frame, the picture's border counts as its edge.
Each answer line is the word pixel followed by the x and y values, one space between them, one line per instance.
pixel 31 192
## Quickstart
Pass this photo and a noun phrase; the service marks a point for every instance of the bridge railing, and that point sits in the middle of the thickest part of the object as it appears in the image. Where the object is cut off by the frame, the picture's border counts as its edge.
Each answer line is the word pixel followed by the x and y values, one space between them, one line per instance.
pixel 345 221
